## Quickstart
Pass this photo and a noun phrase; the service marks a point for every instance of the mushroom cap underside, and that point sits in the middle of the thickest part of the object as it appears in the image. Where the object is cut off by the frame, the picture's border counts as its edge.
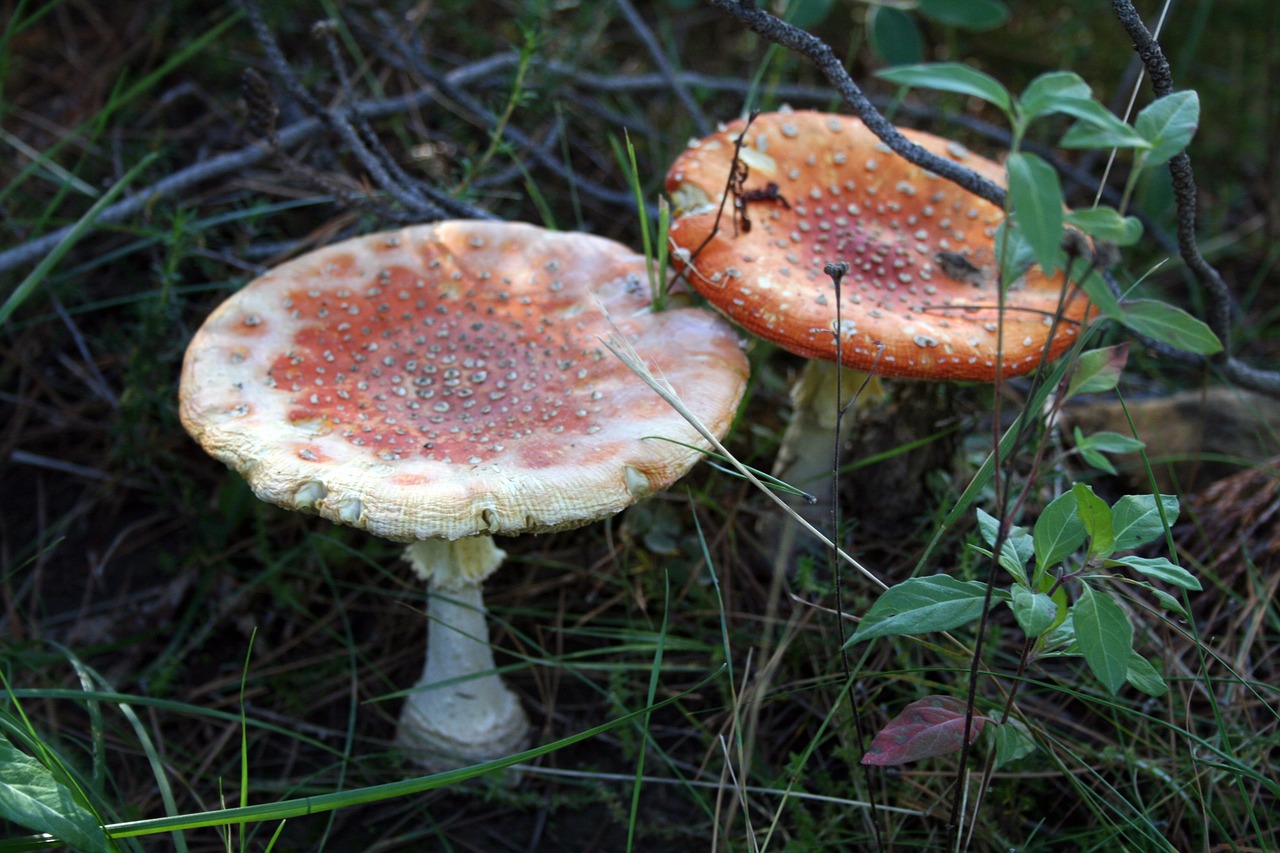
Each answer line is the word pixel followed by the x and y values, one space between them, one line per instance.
pixel 922 281
pixel 450 380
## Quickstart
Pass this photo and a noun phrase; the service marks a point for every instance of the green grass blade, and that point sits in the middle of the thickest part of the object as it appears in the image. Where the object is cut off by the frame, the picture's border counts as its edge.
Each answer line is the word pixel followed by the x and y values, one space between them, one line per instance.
pixel 303 806
pixel 38 275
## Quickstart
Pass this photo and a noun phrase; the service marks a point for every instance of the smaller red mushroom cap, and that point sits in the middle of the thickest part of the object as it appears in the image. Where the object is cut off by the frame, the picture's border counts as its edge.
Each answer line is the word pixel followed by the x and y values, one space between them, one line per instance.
pixel 449 380
pixel 822 188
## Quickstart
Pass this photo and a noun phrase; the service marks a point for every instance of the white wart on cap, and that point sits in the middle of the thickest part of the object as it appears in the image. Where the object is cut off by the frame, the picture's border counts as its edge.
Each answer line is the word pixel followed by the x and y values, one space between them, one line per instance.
pixel 922 274
pixel 448 380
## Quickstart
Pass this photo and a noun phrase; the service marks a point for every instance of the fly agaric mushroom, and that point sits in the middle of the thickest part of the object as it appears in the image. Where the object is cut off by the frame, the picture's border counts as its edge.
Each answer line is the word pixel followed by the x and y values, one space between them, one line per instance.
pixel 922 275
pixel 445 383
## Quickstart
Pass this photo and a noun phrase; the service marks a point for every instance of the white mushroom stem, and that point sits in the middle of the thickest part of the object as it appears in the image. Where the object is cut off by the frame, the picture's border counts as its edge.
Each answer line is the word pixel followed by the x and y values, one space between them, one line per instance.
pixel 805 456
pixel 460 712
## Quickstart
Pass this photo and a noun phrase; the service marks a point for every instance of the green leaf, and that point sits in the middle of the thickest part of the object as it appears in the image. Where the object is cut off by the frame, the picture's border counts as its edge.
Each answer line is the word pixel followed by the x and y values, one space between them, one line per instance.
pixel 1109 442
pixel 1106 223
pixel 1067 93
pixel 1014 253
pixel 1096 460
pixel 1035 611
pixel 920 606
pixel 1037 203
pixel 1096 516
pixel 1170 325
pixel 988 526
pixel 1168 123
pixel 951 77
pixel 1043 92
pixel 1061 638
pixel 1167 601
pixel 1059 597
pixel 1013 741
pixel 1136 519
pixel 807 13
pixel 1058 532
pixel 1104 636
pixel 974 15
pixel 1145 677
pixel 1017 549
pixel 894 36
pixel 1100 295
pixel 1160 569
pixel 1096 126
pixel 1007 562
pixel 1098 370
pixel 1092 447
pixel 30 796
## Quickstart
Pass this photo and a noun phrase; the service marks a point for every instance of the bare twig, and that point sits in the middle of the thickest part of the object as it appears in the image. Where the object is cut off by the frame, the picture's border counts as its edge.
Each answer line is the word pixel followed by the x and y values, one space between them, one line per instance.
pixel 262 115
pixel 410 53
pixel 664 66
pixel 424 202
pixel 252 155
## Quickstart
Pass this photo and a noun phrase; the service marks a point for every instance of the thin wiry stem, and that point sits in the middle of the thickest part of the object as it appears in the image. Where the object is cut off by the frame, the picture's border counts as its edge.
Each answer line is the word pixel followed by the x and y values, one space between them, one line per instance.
pixel 836 271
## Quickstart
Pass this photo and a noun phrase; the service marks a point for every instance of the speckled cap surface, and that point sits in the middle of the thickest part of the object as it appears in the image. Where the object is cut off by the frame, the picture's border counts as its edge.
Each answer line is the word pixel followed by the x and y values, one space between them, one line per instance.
pixel 922 274
pixel 449 380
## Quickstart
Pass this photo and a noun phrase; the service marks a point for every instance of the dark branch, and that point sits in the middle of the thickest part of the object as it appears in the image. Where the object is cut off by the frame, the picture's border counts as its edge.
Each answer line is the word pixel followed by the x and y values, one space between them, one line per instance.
pixel 410 53
pixel 1185 197
pixel 824 58
pixel 423 203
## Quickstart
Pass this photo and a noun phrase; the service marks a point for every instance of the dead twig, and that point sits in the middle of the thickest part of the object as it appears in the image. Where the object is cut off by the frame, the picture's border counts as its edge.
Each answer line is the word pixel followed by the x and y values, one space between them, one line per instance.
pixel 251 155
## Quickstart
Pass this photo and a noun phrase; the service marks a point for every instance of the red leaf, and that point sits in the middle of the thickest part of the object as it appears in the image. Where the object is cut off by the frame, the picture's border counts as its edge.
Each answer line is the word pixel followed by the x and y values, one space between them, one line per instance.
pixel 927 727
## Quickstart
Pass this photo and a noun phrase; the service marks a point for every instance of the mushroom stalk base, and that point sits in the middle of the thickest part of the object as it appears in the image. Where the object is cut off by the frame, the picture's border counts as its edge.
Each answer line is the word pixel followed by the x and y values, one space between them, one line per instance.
pixel 460 713
pixel 806 453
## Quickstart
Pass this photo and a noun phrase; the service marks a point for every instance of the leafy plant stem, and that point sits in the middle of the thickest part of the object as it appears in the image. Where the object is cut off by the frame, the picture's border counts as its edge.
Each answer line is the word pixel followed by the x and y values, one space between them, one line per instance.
pixel 1002 533
pixel 988 766
pixel 1131 183
pixel 1005 513
pixel 527 49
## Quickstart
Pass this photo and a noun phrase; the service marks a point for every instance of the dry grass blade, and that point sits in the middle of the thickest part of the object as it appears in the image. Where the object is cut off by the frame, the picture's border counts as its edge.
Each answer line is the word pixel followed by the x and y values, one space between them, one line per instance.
pixel 620 348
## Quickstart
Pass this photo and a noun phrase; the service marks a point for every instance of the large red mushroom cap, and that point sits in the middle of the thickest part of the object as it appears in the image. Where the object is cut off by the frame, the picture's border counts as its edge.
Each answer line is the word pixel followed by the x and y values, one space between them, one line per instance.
pixel 823 188
pixel 449 380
